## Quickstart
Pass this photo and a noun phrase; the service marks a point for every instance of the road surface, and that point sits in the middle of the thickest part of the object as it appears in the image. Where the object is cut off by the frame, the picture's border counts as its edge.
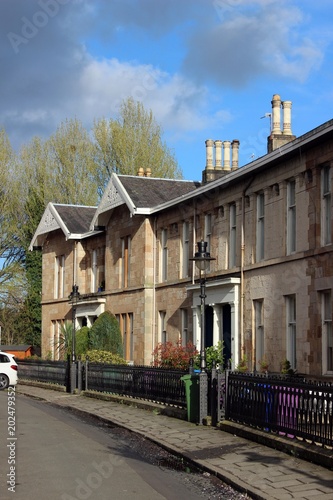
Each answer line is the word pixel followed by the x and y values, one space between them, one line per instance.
pixel 50 453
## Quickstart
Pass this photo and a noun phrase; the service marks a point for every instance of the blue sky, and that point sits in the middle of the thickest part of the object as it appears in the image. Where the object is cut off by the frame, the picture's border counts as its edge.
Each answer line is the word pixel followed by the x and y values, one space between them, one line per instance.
pixel 206 68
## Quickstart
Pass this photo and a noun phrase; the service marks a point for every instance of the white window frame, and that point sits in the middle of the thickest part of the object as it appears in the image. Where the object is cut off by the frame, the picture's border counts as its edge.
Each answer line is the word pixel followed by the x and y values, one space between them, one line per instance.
pixel 259 329
pixel 185 250
pixel 164 255
pixel 162 327
pixel 124 331
pixel 291 331
pixel 184 327
pixel 326 206
pixel 260 240
pixel 208 235
pixel 125 261
pixel 291 217
pixel 59 278
pixel 232 235
pixel 94 271
pixel 327 333
pixel 131 335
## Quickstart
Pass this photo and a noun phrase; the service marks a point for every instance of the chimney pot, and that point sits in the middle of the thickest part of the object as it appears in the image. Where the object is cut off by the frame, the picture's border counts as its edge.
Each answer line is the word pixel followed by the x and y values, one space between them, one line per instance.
pixel 235 147
pixel 209 154
pixel 276 114
pixel 218 155
pixel 226 162
pixel 286 105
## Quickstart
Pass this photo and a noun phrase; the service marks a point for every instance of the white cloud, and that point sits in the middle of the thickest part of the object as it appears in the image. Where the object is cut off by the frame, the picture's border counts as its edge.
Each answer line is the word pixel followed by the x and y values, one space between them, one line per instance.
pixel 177 103
pixel 255 39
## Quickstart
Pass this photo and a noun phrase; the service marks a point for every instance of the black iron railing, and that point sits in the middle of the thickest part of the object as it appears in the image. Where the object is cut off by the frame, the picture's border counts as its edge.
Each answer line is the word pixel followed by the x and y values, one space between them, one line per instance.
pixel 55 372
pixel 153 384
pixel 290 406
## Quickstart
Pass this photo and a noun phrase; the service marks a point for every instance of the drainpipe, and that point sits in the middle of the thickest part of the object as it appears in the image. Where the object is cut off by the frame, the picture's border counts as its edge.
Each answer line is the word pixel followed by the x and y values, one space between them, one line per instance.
pixel 74 263
pixel 154 283
pixel 194 239
pixel 242 275
pixel 242 267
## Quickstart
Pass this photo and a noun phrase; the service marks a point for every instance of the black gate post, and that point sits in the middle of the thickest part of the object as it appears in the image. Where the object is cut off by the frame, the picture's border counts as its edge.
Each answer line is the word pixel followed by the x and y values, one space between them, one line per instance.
pixel 79 375
pixel 68 374
pixel 86 373
pixel 214 395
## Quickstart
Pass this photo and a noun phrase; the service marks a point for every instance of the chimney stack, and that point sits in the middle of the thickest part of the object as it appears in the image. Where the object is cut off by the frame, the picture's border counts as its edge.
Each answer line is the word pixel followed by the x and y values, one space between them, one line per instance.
pixel 212 171
pixel 278 137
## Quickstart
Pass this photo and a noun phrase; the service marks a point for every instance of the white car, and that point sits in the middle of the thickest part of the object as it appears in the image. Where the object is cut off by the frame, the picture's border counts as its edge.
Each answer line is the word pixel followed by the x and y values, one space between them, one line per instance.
pixel 8 370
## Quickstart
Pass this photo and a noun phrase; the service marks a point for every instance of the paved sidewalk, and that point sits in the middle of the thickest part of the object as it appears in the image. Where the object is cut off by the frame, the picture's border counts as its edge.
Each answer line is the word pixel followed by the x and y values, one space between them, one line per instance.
pixel 260 471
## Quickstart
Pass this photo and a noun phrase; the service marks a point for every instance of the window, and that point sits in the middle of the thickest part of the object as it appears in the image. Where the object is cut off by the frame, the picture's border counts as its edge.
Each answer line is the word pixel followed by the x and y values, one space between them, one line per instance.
pixel 185 250
pixel 59 281
pixel 291 217
pixel 126 327
pixel 208 230
pixel 56 345
pixel 162 327
pixel 326 313
pixel 260 227
pixel 125 261
pixel 164 254
pixel 208 234
pixel 123 329
pixel 259 330
pixel 232 235
pixel 131 335
pixel 291 330
pixel 97 283
pixel 184 330
pixel 326 232
pixel 94 271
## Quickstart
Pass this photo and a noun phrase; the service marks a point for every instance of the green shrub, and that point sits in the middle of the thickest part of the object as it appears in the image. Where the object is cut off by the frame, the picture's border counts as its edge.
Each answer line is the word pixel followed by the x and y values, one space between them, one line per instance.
pixel 242 365
pixel 286 368
pixel 105 334
pixel 213 353
pixel 82 341
pixel 107 357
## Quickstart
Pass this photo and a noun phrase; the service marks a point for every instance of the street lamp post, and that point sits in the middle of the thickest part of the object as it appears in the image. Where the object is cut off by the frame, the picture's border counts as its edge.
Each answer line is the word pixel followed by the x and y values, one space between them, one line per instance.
pixel 74 297
pixel 202 259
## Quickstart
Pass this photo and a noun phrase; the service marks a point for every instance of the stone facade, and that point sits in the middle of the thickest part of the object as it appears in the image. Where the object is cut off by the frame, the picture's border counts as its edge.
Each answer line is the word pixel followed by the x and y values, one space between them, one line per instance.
pixel 269 289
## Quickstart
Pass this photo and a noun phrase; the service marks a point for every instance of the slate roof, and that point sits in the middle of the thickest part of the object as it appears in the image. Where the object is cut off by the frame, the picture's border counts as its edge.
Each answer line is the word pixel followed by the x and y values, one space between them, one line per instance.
pixel 76 218
pixel 148 192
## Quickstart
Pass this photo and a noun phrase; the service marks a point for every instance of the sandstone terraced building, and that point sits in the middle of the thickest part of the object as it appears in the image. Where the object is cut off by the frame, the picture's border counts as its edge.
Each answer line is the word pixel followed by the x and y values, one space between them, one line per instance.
pixel 268 224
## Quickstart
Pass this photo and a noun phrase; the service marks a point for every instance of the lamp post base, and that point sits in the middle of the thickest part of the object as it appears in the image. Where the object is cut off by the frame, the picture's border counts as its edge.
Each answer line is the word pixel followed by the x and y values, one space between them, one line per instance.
pixel 73 377
pixel 203 396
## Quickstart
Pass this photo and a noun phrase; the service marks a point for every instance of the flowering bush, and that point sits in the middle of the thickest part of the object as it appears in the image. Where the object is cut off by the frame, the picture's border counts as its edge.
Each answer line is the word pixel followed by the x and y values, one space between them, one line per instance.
pixel 169 355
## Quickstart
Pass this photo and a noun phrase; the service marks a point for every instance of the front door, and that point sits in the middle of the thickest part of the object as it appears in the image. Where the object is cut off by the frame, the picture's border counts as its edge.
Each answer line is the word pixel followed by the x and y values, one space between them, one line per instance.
pixel 209 326
pixel 226 326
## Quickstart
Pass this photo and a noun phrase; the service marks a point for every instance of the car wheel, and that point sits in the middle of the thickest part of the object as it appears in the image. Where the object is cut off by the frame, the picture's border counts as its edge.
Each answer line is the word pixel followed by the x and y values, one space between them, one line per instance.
pixel 4 381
